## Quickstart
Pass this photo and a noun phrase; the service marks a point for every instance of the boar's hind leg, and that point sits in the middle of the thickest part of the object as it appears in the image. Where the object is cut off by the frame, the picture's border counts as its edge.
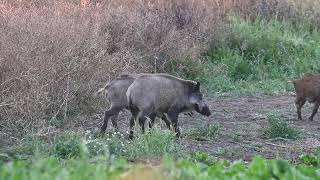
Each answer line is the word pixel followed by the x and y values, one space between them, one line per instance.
pixel 173 116
pixel 132 121
pixel 315 109
pixel 113 111
pixel 143 118
pixel 299 103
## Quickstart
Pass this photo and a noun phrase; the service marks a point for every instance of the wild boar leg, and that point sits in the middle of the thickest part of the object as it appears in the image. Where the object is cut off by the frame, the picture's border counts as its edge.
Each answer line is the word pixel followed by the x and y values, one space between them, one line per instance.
pixel 164 118
pixel 132 121
pixel 152 119
pixel 143 118
pixel 173 116
pixel 114 121
pixel 110 112
pixel 141 123
pixel 299 103
pixel 315 110
pixel 167 121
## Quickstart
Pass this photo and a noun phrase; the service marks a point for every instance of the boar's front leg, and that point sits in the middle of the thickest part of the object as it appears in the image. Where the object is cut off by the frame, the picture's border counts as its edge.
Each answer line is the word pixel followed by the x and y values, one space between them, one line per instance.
pixel 132 122
pixel 299 103
pixel 141 117
pixel 173 115
pixel 167 121
pixel 164 118
pixel 152 119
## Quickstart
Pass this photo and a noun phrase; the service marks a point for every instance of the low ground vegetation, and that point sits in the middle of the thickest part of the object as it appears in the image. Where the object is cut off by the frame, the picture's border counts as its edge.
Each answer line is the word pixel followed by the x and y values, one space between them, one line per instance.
pixel 74 156
pixel 278 128
pixel 203 131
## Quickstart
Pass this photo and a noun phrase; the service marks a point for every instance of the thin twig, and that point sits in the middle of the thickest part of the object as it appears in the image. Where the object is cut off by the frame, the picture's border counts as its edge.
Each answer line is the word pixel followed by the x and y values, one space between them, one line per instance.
pixel 277 145
pixel 8 104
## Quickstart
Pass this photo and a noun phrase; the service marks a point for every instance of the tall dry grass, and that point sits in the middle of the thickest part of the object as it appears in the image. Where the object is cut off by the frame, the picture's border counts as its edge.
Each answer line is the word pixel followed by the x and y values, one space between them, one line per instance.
pixel 55 54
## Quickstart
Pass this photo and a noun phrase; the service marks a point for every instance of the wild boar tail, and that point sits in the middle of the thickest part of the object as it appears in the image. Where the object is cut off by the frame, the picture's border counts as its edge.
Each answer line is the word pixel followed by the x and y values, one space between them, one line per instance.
pixel 101 90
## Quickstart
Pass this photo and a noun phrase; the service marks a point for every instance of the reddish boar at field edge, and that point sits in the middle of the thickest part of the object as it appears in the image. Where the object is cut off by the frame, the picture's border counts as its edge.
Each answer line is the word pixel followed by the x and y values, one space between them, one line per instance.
pixel 307 89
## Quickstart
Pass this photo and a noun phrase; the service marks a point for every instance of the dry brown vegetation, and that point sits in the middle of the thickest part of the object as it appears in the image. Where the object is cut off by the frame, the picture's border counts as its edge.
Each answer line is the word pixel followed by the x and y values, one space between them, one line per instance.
pixel 55 54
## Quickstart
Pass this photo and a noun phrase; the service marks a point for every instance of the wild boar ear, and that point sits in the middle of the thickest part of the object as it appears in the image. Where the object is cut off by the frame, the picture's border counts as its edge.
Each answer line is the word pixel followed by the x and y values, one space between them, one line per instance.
pixel 197 87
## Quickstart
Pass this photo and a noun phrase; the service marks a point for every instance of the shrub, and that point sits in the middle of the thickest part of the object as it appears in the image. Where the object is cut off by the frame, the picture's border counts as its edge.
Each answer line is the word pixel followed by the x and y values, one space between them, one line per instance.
pixel 55 54
pixel 311 160
pixel 203 157
pixel 68 146
pixel 279 128
pixel 258 56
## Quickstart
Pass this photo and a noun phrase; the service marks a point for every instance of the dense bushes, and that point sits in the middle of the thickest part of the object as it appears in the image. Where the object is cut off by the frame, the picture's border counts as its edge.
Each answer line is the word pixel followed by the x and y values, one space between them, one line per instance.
pixel 260 56
pixel 55 54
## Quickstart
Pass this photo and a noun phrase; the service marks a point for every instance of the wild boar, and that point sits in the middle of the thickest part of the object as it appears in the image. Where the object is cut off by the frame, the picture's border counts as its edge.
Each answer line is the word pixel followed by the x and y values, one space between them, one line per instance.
pixel 115 92
pixel 163 93
pixel 307 89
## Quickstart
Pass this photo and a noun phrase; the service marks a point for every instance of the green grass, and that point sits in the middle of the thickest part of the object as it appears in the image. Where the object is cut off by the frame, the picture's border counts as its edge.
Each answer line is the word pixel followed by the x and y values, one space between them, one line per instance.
pixel 258 57
pixel 279 128
pixel 52 168
pixel 203 131
pixel 153 144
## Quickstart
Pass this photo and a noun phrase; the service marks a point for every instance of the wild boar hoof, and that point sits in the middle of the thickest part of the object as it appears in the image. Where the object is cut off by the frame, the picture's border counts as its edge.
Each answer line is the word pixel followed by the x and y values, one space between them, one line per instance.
pixel 131 137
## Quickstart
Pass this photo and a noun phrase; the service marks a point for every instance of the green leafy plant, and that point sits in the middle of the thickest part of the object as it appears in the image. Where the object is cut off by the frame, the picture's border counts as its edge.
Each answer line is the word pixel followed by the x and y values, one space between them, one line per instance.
pixel 311 159
pixel 203 157
pixel 68 146
pixel 279 128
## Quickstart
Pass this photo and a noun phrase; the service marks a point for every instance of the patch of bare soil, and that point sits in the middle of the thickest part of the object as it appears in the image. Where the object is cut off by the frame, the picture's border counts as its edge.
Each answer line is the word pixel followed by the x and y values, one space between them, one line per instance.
pixel 241 124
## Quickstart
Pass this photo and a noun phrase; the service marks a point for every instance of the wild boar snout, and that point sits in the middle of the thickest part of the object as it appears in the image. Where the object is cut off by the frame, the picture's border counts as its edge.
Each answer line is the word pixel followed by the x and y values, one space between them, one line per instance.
pixel 203 108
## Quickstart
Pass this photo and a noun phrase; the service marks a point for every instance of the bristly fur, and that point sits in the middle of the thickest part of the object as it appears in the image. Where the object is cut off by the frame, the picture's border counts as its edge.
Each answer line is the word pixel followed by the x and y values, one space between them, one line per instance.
pixel 307 89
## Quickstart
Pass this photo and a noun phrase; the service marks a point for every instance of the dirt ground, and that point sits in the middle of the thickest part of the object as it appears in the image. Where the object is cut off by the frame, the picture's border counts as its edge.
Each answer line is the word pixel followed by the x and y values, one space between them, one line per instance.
pixel 241 123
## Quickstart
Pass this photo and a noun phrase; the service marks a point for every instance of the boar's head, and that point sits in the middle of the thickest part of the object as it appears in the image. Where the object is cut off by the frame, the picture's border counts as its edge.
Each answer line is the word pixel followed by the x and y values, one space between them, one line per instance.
pixel 196 99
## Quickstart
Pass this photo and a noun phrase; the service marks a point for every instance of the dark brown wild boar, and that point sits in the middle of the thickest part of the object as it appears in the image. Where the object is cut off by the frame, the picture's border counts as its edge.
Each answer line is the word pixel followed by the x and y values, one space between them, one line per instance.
pixel 307 89
pixel 115 92
pixel 163 93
